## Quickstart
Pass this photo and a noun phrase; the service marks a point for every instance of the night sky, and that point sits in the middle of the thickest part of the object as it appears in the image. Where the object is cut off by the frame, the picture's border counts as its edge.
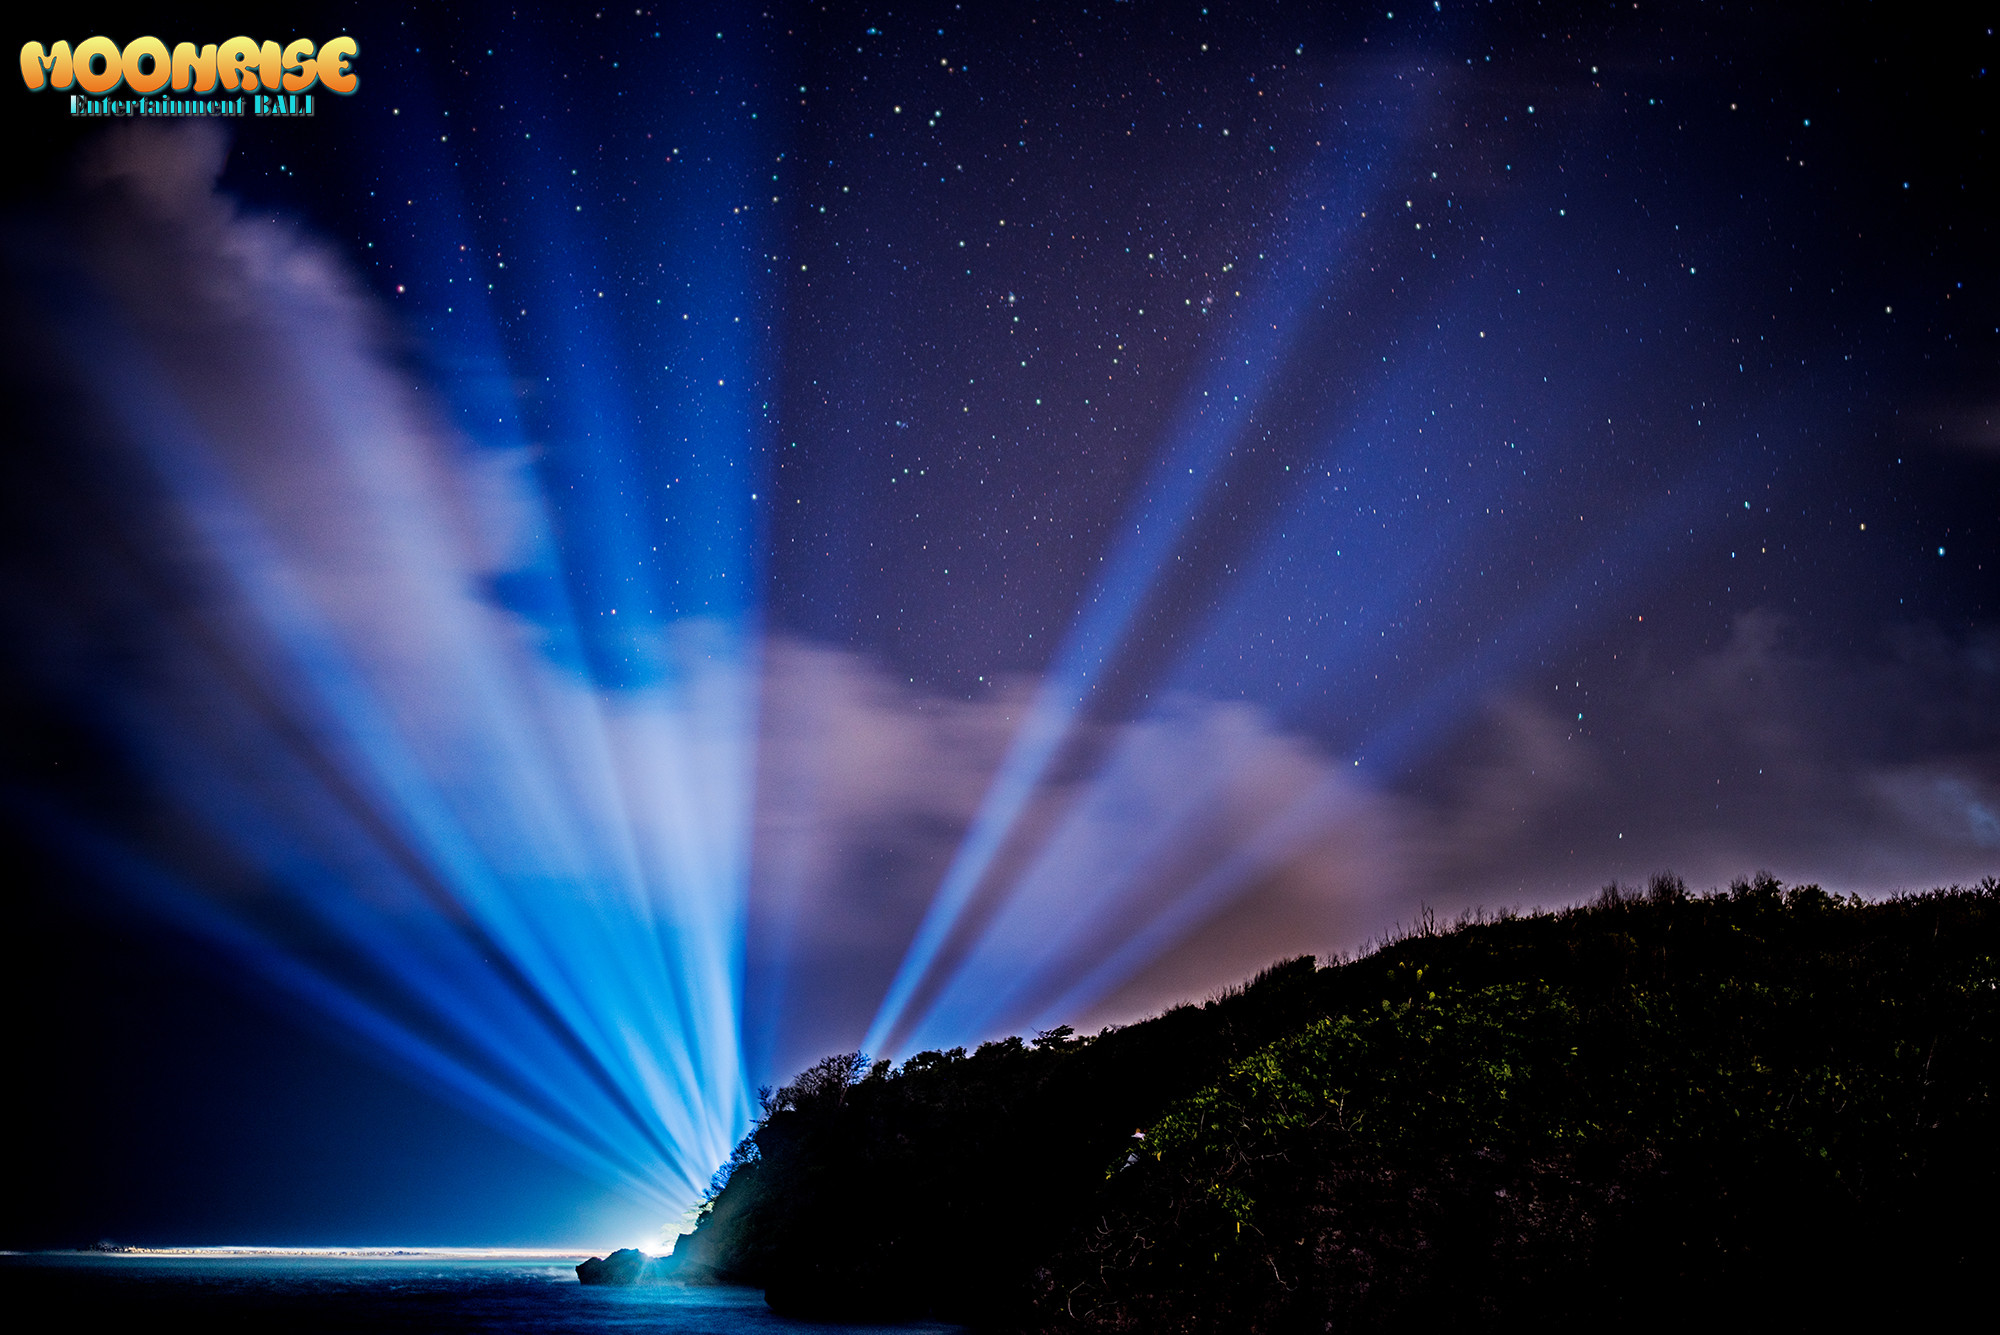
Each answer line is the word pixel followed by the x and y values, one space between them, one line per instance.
pixel 827 526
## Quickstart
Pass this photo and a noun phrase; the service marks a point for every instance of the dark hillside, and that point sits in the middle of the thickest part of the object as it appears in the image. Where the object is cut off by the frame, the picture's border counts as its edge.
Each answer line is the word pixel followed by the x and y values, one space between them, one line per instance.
pixel 1762 1104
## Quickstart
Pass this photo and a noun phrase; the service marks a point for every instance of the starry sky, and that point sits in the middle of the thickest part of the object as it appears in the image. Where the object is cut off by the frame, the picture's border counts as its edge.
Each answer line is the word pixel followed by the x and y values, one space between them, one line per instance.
pixel 1213 482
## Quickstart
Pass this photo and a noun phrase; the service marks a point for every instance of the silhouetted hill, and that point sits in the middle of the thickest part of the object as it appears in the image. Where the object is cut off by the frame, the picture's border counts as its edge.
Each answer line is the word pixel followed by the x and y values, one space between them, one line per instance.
pixel 1761 1104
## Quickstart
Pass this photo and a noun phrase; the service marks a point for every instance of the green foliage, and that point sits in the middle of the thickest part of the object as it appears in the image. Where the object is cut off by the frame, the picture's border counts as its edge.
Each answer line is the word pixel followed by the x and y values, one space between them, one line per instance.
pixel 1643 1111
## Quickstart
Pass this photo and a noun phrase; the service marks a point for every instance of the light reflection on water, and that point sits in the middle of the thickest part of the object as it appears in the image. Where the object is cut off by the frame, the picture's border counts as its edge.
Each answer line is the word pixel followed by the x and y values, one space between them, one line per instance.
pixel 71 1291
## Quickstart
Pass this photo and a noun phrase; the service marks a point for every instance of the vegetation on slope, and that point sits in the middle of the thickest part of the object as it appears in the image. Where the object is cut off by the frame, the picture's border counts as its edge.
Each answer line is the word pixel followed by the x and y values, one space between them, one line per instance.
pixel 1758 1104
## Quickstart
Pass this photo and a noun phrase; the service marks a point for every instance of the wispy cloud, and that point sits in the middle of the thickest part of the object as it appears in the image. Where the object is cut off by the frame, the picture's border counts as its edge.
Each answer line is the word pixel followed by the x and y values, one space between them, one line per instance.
pixel 1867 773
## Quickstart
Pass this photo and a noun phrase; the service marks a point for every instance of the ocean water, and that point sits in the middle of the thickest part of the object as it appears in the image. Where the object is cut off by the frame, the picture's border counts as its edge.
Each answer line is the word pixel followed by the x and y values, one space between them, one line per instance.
pixel 278 1294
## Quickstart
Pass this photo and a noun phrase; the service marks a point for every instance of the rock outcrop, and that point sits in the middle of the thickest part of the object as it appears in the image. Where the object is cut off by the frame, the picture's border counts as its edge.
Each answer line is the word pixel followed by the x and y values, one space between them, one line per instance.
pixel 627 1265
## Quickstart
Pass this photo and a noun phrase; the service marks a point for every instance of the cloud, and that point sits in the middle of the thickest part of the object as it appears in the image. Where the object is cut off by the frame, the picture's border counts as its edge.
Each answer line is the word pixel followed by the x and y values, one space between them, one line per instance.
pixel 1864 773
pixel 867 782
pixel 377 787
pixel 1971 424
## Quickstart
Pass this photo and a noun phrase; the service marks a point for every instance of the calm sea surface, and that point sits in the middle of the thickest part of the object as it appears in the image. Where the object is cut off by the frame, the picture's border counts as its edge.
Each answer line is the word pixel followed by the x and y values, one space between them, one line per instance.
pixel 65 1292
